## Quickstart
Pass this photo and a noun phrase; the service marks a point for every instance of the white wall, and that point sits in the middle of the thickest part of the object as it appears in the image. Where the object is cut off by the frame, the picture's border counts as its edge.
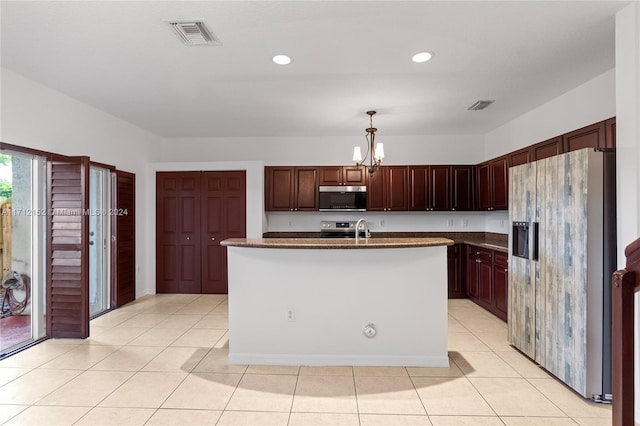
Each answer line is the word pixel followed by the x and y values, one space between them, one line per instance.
pixel 38 117
pixel 331 150
pixel 628 145
pixel 588 103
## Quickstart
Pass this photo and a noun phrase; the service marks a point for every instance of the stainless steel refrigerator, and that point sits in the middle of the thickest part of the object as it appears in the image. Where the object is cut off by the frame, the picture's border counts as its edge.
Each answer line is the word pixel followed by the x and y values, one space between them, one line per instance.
pixel 561 257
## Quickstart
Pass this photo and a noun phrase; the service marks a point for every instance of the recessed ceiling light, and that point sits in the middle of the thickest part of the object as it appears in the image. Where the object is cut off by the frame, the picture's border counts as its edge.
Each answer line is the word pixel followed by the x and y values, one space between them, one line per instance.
pixel 281 59
pixel 421 57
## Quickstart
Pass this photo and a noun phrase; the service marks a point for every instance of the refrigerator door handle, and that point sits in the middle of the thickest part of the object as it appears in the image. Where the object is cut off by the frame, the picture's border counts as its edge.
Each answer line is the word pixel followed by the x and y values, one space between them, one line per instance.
pixel 534 238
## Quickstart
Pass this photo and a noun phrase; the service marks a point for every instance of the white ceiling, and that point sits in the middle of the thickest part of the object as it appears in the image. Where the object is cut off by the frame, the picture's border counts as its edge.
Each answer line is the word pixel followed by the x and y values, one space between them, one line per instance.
pixel 348 57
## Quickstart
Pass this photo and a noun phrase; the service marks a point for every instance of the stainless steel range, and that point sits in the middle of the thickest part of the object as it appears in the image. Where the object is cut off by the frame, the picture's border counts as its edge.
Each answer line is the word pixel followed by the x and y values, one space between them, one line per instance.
pixel 345 229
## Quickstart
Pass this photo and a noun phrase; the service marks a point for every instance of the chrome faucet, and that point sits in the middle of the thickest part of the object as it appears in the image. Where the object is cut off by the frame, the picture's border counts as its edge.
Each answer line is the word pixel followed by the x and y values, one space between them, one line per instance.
pixel 366 230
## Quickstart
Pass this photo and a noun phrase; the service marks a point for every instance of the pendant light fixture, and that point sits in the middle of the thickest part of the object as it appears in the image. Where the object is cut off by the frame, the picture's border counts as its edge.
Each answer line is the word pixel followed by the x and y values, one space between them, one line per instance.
pixel 374 152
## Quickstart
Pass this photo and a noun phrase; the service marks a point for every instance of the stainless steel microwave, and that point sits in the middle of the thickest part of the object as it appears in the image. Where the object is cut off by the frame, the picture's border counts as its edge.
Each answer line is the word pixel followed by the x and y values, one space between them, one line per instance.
pixel 343 198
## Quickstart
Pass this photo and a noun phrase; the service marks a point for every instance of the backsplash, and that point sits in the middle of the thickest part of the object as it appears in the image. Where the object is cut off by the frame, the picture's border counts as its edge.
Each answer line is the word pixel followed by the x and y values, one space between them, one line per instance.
pixel 495 222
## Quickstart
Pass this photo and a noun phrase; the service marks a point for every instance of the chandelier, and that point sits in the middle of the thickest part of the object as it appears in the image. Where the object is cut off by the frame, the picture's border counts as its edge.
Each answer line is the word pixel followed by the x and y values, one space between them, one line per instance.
pixel 374 152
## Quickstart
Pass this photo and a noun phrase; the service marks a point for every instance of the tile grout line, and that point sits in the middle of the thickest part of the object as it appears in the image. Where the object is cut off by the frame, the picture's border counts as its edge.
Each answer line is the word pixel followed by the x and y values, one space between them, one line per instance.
pixel 293 396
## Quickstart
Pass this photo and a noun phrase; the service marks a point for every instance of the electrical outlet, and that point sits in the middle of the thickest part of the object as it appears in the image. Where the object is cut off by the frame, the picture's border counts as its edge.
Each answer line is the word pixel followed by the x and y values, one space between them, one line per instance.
pixel 502 224
pixel 382 223
pixel 449 222
pixel 464 222
pixel 291 314
pixel 290 224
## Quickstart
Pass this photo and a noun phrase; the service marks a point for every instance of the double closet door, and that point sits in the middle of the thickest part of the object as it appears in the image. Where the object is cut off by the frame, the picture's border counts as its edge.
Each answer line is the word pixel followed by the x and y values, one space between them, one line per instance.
pixel 195 211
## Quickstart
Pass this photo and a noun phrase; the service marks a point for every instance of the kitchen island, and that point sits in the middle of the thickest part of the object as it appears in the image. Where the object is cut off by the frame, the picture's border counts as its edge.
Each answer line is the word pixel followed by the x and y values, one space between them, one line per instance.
pixel 314 301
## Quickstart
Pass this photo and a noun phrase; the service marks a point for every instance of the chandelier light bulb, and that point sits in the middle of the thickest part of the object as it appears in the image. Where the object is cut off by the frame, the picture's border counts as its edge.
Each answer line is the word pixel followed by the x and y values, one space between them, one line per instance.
pixel 357 155
pixel 379 152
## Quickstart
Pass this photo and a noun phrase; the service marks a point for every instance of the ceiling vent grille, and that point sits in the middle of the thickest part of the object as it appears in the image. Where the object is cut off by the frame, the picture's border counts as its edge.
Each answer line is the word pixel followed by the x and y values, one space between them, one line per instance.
pixel 480 105
pixel 194 33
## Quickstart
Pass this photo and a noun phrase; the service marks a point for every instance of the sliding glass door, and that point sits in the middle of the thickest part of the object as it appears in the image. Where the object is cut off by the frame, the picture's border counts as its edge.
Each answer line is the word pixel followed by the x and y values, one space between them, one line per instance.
pixel 22 243
pixel 99 236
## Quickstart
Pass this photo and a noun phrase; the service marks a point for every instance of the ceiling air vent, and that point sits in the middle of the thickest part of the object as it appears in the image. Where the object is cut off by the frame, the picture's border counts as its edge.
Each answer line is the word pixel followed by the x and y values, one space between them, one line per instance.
pixel 480 105
pixel 194 33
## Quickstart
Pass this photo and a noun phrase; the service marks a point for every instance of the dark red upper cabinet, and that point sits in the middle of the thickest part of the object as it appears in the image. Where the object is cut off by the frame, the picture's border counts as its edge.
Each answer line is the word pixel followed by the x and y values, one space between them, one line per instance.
pixel 388 189
pixel 546 149
pixel 291 188
pixel 484 185
pixel 440 187
pixel 517 158
pixel 306 189
pixel 492 185
pixel 592 136
pixel 462 187
pixel 500 184
pixel 354 175
pixel 419 188
pixel 279 188
pixel 343 175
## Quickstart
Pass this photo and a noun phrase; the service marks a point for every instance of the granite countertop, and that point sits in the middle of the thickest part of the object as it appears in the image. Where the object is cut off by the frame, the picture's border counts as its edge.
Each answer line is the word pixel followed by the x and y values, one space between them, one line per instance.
pixel 492 241
pixel 336 243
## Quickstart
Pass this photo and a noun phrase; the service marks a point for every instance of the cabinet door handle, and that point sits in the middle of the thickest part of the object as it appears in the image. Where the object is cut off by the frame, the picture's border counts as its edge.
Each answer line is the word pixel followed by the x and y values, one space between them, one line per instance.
pixel 478 260
pixel 213 239
pixel 188 238
pixel 453 208
pixel 506 270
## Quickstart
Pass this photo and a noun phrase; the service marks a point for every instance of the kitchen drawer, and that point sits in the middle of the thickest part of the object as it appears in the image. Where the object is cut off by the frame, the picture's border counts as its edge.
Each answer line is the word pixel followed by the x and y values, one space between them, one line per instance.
pixel 481 254
pixel 501 259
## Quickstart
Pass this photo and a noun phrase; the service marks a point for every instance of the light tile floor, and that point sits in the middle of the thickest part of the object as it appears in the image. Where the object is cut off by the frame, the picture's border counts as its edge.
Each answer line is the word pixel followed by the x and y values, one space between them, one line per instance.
pixel 162 361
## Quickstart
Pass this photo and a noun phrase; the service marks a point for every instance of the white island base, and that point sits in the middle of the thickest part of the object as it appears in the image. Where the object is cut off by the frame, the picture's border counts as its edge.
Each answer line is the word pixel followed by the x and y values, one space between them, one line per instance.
pixel 302 306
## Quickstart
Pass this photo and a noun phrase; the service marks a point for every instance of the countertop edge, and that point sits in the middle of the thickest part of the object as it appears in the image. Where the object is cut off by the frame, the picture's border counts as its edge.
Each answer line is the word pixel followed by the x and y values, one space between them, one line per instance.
pixel 335 244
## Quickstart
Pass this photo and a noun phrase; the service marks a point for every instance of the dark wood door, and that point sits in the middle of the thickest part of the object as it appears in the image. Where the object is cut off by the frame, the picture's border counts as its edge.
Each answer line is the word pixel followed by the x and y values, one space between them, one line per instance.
pixel 125 244
pixel 280 188
pixel 500 184
pixel 440 188
pixel 343 175
pixel 484 184
pixel 517 158
pixel 195 211
pixel 592 136
pixel 68 260
pixel 223 216
pixel 485 274
pixel 500 291
pixel 473 266
pixel 395 187
pixel 178 215
pixel 546 149
pixel 419 188
pixel 306 189
pixel 354 175
pixel 376 192
pixel 330 175
pixel 455 270
pixel 462 187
